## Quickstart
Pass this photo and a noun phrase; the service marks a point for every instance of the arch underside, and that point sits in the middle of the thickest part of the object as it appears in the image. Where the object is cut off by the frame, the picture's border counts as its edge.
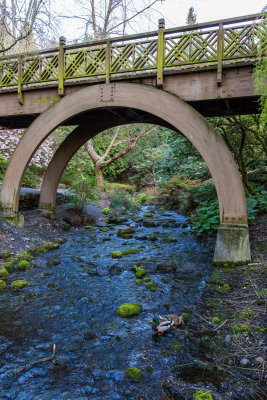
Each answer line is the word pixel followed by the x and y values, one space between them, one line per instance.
pixel 164 107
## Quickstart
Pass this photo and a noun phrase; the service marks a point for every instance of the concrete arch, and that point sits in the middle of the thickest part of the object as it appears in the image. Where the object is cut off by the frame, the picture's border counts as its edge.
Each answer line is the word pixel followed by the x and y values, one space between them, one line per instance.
pixel 157 102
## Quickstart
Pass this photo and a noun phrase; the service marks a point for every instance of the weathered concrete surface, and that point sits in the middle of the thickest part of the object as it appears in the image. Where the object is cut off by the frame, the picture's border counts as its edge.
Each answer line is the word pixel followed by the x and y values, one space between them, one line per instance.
pixel 232 244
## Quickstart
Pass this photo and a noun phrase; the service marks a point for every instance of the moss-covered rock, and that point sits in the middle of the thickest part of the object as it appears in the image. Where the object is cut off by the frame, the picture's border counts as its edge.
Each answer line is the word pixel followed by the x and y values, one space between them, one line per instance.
pixel 117 254
pixel 130 251
pixel 140 272
pixel 125 231
pixel 128 310
pixel 9 266
pixel 240 329
pixel 176 347
pixel 3 273
pixel 147 279
pixel 171 239
pixel 50 245
pixel 106 211
pixel 225 287
pixel 117 220
pixel 104 229
pixel 135 374
pixel 138 220
pixel 2 285
pixel 23 265
pixel 17 285
pixel 138 281
pixel 4 254
pixel 185 316
pixel 37 249
pixel 89 228
pixel 153 238
pixel 25 255
pixel 60 240
pixel 216 320
pixel 151 286
pixel 148 215
pixel 202 395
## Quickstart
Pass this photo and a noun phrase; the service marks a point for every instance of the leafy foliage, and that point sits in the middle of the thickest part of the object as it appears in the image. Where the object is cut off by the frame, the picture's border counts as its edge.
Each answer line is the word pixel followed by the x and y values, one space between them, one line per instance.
pixel 81 190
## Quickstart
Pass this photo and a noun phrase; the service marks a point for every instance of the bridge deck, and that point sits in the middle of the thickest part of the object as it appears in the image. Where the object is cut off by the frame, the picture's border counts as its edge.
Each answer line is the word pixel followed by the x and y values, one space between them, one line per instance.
pixel 203 63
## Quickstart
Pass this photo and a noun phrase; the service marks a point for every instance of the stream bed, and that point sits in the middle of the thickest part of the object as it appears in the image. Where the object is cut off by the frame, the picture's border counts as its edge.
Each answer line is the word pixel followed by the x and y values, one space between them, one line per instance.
pixel 71 301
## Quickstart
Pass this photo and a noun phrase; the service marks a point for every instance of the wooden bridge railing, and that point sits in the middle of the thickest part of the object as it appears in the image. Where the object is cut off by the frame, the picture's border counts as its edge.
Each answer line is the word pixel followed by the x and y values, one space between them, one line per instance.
pixel 213 43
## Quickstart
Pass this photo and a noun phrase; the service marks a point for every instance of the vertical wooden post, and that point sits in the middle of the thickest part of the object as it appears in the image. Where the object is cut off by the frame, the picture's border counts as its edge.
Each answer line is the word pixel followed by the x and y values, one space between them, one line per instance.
pixel 61 65
pixel 107 61
pixel 20 95
pixel 160 52
pixel 220 46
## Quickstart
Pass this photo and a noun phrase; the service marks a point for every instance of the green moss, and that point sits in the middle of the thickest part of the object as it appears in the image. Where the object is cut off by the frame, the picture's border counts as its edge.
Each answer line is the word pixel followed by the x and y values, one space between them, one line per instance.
pixel 202 395
pixel 125 231
pixel 153 238
pixel 23 265
pixel 51 245
pixel 89 228
pixel 4 254
pixel 2 285
pixel 246 314
pixel 261 330
pixel 3 273
pixel 176 347
pixel 151 286
pixel 147 279
pixel 148 215
pixel 130 251
pixel 142 246
pixel 117 254
pixel 138 281
pixel 225 287
pixel 104 229
pixel 240 329
pixel 185 316
pixel 135 374
pixel 140 272
pixel 37 250
pixel 60 240
pixel 171 239
pixel 138 219
pixel 106 211
pixel 128 310
pixel 25 255
pixel 8 266
pixel 215 320
pixel 16 285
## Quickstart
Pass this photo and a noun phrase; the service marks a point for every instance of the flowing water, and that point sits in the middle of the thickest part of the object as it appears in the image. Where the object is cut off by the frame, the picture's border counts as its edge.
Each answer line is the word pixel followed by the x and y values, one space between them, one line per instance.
pixel 73 304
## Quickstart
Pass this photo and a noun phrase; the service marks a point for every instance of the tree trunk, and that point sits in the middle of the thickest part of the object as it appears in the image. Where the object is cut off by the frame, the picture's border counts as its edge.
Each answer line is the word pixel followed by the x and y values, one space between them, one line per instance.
pixel 99 176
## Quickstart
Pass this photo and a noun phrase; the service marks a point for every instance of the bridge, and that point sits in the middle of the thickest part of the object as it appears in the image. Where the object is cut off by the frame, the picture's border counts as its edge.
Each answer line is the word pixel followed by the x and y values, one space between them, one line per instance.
pixel 171 77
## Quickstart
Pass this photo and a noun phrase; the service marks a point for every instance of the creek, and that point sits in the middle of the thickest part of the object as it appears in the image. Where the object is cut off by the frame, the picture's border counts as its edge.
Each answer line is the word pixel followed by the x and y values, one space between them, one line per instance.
pixel 73 304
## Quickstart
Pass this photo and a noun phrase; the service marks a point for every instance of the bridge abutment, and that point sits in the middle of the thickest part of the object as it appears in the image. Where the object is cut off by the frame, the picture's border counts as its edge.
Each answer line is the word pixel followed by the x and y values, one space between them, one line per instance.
pixel 232 244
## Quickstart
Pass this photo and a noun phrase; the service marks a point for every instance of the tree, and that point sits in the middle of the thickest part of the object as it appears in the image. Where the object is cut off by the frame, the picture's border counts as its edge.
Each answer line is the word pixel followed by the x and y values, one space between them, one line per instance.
pixel 103 18
pixel 23 24
pixel 191 18
pixel 122 138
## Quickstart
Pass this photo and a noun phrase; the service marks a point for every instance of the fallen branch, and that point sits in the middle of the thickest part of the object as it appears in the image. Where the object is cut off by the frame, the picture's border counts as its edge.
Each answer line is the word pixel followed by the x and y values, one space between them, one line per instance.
pixel 18 371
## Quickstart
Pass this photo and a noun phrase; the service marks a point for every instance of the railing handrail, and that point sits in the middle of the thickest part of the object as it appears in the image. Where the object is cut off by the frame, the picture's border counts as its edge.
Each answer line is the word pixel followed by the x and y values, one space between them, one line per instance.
pixel 144 35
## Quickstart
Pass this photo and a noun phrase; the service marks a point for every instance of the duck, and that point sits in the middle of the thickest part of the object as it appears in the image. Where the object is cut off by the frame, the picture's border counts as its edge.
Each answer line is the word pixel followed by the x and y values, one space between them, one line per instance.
pixel 163 323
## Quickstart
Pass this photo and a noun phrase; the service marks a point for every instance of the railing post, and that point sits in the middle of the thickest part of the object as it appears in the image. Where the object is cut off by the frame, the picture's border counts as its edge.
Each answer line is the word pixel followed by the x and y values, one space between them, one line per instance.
pixel 108 61
pixel 20 95
pixel 220 45
pixel 160 52
pixel 61 65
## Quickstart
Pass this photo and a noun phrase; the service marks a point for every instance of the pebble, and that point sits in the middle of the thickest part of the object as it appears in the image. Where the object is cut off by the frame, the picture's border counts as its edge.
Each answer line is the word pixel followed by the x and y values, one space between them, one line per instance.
pixel 259 360
pixel 228 338
pixel 244 361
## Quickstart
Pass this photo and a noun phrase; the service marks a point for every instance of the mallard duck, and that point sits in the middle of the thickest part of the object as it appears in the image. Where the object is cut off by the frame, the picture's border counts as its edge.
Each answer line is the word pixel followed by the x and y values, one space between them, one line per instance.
pixel 163 323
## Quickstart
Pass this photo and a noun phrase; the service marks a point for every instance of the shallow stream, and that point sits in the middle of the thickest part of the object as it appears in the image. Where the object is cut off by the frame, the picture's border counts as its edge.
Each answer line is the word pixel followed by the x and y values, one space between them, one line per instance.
pixel 73 304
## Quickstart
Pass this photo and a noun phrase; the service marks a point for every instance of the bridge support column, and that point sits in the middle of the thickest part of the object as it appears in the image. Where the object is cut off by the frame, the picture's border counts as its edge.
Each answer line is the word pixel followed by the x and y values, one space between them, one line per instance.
pixel 232 245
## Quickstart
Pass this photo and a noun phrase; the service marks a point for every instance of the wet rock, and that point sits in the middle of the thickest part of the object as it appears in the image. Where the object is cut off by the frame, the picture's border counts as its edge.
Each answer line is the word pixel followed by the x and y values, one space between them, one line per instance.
pixel 259 360
pixel 244 361
pixel 166 268
pixel 228 338
pixel 89 335
pixel 102 271
pixel 153 238
pixel 150 224
pixel 117 254
pixel 117 220
pixel 125 231
pixel 171 239
pixel 141 237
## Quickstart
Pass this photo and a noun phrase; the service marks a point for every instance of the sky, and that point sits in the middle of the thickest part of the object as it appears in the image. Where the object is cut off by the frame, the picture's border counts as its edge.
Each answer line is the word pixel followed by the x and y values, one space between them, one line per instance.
pixel 174 12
